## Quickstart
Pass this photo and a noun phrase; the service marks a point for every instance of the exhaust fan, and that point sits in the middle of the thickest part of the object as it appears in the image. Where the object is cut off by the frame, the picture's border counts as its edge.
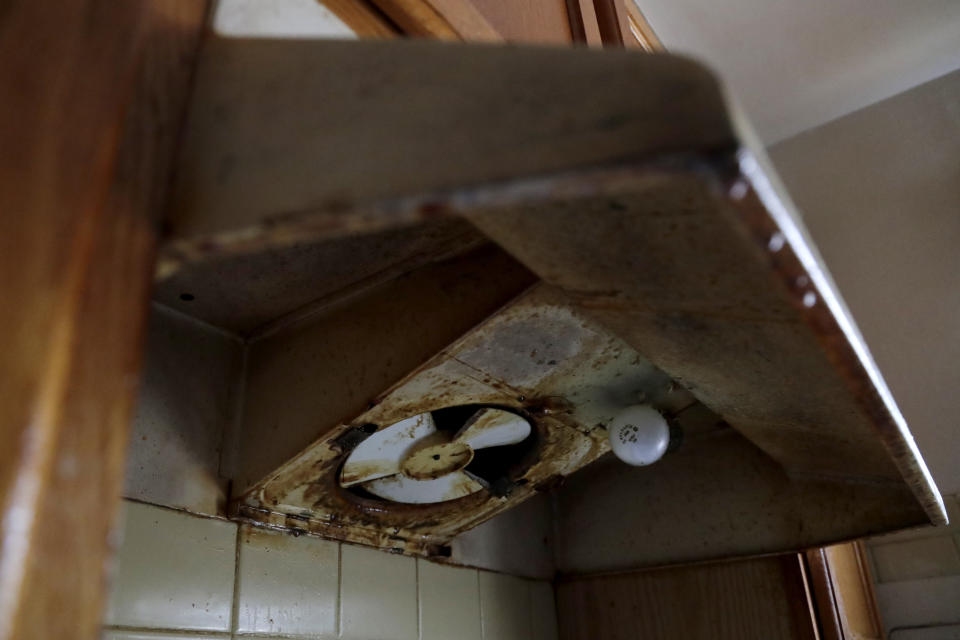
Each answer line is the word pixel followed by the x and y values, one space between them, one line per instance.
pixel 415 462
pixel 509 409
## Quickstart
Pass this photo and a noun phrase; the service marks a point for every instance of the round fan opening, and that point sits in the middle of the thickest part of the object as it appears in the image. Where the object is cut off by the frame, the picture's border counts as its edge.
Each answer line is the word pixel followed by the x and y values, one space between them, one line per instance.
pixel 438 456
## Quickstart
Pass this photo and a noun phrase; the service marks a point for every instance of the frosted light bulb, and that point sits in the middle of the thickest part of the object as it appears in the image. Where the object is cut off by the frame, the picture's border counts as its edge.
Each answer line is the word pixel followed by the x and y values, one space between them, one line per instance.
pixel 639 435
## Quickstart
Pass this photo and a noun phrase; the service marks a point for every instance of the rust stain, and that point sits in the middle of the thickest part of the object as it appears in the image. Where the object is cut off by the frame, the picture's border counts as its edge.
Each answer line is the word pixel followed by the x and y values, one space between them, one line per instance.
pixel 436 460
pixel 360 470
pixel 548 398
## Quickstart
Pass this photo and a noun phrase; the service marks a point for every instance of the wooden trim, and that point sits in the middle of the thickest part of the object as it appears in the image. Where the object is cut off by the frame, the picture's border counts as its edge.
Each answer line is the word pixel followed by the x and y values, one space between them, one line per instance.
pixel 578 31
pixel 608 19
pixel 583 23
pixel 417 18
pixel 622 24
pixel 823 596
pixel 846 605
pixel 867 581
pixel 853 592
pixel 640 30
pixel 437 19
pixel 466 20
pixel 799 598
pixel 81 188
pixel 363 18
pixel 808 598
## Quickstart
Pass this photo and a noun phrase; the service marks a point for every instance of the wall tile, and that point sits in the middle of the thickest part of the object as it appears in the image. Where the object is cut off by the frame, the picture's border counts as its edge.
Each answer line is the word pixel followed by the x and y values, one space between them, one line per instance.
pixel 175 574
pixel 287 585
pixel 544 611
pixel 449 602
pixel 378 595
pixel 940 632
pixel 173 571
pixel 916 559
pixel 505 607
pixel 919 602
pixel 117 634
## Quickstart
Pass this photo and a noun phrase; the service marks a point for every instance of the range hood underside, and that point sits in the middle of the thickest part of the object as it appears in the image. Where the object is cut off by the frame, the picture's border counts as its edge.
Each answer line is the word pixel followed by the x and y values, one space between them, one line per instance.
pixel 636 235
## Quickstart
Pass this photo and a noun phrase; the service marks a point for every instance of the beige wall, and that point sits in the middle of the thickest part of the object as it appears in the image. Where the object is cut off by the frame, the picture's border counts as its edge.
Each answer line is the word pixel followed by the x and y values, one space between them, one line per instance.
pixel 186 576
pixel 798 64
pixel 917 575
pixel 879 190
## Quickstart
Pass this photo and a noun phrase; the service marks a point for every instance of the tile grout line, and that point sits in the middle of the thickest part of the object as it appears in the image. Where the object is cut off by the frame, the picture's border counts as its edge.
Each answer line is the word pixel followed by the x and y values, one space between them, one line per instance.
pixel 235 602
pixel 416 583
pixel 338 616
pixel 483 625
pixel 531 616
pixel 165 631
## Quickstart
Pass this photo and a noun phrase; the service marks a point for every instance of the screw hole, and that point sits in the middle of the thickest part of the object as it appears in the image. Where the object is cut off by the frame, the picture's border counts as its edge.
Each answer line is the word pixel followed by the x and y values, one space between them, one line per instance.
pixel 436 456
pixel 186 297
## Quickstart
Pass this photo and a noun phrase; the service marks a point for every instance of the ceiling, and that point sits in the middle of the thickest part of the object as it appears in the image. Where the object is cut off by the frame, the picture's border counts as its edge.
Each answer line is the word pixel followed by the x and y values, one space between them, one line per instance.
pixel 798 64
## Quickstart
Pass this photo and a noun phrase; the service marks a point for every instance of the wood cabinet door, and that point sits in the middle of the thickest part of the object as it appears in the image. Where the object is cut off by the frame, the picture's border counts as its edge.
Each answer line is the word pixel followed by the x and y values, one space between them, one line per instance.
pixel 755 598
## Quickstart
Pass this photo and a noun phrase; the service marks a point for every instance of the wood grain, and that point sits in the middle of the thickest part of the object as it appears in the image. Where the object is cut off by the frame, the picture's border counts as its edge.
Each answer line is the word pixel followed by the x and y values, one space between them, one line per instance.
pixel 365 20
pixel 437 19
pixel 466 20
pixel 622 24
pixel 611 21
pixel 843 591
pixel 583 22
pixel 80 185
pixel 821 589
pixel 417 18
pixel 534 21
pixel 754 598
pixel 578 31
pixel 640 30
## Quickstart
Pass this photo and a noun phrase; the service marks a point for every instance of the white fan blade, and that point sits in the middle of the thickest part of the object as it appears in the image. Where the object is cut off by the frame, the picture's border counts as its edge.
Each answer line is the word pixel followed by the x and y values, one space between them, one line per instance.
pixel 380 454
pixel 493 428
pixel 400 488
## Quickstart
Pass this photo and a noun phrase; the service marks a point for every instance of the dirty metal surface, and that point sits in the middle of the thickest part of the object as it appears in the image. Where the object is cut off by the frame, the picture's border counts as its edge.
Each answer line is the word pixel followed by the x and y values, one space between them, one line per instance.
pixel 564 374
pixel 303 381
pixel 286 137
pixel 717 496
pixel 707 272
pixel 255 292
pixel 642 204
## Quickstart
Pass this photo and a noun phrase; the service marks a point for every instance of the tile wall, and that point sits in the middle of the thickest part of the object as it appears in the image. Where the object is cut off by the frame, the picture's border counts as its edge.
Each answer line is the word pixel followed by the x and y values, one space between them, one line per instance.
pixel 917 574
pixel 181 576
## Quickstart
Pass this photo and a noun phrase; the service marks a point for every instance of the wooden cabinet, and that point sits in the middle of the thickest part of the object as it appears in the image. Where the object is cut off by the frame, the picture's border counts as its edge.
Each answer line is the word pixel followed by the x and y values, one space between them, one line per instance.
pixel 757 598
pixel 616 23
pixel 823 594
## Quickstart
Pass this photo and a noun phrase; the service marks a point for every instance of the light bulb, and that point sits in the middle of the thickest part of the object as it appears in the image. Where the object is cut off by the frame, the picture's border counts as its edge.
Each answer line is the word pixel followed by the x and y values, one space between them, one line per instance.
pixel 639 435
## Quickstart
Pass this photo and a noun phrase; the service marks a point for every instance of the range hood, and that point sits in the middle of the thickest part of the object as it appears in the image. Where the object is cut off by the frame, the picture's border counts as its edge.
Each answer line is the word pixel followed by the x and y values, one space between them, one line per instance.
pixel 454 265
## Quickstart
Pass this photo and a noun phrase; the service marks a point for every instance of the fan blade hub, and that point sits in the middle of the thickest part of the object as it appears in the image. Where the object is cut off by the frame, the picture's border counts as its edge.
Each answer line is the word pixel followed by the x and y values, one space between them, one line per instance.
pixel 436 460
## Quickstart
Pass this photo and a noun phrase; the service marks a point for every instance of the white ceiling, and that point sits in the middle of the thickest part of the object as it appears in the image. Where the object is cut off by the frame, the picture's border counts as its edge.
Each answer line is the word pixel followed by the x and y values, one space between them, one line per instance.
pixel 795 64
